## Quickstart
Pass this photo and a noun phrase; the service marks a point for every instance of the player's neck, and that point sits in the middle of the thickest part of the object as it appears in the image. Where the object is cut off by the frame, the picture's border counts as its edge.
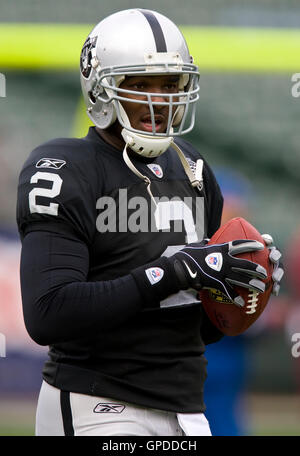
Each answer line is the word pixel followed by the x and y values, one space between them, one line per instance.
pixel 112 136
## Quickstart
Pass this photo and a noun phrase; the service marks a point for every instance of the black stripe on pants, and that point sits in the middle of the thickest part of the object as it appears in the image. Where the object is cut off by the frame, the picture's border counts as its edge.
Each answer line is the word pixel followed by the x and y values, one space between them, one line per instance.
pixel 66 413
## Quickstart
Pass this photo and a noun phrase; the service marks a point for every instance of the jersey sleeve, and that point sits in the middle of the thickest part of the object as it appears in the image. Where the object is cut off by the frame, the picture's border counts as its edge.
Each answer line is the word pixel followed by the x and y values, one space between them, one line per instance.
pixel 57 190
pixel 59 304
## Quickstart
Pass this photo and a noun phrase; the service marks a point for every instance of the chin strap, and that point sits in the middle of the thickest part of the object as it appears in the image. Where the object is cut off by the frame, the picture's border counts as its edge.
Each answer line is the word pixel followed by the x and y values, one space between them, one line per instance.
pixel 137 172
pixel 195 178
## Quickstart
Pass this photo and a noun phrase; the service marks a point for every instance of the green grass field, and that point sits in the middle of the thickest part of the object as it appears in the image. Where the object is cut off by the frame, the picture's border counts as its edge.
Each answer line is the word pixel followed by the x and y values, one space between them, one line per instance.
pixel 274 415
pixel 269 416
pixel 17 416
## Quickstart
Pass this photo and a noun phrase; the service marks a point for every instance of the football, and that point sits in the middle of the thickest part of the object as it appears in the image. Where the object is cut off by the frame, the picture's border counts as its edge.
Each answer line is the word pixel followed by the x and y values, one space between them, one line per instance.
pixel 224 314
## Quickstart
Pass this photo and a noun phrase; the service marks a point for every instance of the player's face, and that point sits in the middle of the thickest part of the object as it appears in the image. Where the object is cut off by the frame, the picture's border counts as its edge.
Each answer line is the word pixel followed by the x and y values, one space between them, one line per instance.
pixel 139 114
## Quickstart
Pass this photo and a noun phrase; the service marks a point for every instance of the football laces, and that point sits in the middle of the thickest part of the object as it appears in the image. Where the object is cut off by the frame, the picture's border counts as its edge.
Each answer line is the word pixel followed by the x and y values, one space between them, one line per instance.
pixel 252 302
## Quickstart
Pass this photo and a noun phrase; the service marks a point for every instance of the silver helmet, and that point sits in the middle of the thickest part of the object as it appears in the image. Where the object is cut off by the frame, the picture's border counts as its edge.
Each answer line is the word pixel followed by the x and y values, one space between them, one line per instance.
pixel 130 43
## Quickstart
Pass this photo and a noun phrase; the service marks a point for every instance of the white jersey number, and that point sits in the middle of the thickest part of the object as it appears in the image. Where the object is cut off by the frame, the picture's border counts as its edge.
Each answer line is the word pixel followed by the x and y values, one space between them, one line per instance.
pixel 180 213
pixel 52 208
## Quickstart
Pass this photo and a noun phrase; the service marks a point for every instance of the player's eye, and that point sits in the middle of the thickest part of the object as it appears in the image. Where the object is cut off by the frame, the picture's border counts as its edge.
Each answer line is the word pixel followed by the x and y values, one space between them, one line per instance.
pixel 171 87
pixel 138 86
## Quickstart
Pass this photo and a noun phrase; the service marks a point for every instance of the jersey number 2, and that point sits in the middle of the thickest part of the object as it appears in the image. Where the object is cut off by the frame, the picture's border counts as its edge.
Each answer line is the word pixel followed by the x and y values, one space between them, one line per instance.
pixel 52 208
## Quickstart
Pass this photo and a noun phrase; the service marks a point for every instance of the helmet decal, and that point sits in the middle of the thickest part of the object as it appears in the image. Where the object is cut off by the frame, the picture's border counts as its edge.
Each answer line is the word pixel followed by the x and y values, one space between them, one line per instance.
pixel 158 34
pixel 86 55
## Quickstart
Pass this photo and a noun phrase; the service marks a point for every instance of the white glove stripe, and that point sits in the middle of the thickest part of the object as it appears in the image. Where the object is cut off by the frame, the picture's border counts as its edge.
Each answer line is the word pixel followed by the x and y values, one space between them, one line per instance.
pixel 255 285
pixel 268 239
pixel 275 255
pixel 250 246
pixel 277 275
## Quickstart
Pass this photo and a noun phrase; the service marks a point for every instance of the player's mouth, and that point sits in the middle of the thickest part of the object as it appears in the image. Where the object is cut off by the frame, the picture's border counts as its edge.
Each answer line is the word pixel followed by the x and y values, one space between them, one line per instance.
pixel 159 120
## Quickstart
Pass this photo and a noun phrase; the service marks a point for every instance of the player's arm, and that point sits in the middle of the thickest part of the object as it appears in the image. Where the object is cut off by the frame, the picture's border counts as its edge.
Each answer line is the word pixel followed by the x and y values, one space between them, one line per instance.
pixel 59 304
pixel 56 215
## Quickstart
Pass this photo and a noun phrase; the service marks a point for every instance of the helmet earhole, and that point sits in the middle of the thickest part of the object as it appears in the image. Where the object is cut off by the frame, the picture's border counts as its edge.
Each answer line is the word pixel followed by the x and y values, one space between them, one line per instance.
pixel 91 97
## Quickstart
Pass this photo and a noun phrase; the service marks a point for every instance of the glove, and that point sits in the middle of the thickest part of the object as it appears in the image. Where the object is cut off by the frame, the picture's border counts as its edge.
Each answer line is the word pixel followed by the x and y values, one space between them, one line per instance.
pixel 274 257
pixel 215 266
pixel 199 266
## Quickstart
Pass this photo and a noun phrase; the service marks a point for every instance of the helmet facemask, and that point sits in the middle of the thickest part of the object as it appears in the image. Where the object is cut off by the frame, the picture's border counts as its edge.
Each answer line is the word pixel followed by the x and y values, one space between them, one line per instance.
pixel 181 105
pixel 139 42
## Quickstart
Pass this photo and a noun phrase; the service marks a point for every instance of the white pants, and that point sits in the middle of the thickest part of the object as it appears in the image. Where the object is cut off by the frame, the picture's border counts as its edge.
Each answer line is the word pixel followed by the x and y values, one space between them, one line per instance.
pixel 63 413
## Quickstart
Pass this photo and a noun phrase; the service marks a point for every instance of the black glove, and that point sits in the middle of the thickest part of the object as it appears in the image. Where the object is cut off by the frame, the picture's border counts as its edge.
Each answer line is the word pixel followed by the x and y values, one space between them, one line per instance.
pixel 215 266
pixel 199 266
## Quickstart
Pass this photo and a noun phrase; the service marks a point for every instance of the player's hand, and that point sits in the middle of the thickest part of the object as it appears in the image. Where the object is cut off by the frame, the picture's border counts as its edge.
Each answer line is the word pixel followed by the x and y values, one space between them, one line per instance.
pixel 200 265
pixel 274 257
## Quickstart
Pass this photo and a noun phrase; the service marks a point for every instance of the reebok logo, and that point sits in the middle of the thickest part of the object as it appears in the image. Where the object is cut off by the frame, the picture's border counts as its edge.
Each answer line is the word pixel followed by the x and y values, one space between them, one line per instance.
pixel 109 408
pixel 53 163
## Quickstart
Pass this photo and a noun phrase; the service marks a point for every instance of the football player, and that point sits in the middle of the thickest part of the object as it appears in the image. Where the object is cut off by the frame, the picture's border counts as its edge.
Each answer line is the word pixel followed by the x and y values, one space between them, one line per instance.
pixel 108 273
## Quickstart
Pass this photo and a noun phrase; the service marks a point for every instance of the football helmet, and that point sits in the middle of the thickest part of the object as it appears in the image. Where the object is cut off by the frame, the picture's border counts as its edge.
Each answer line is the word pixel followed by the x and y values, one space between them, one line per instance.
pixel 138 42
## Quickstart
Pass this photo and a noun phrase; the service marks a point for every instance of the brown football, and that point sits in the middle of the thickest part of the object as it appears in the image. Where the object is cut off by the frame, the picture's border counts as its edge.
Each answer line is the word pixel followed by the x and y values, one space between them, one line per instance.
pixel 224 314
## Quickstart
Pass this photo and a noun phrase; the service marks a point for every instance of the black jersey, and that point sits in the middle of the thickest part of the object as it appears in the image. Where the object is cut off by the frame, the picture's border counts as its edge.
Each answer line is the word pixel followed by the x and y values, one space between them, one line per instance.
pixel 85 221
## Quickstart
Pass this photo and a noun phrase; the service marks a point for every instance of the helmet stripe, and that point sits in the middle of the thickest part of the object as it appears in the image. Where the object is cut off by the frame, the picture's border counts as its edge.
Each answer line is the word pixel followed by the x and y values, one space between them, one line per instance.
pixel 156 30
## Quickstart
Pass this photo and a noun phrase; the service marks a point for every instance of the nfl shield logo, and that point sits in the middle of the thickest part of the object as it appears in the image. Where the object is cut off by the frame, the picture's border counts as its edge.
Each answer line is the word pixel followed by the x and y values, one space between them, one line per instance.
pixel 154 275
pixel 214 261
pixel 156 169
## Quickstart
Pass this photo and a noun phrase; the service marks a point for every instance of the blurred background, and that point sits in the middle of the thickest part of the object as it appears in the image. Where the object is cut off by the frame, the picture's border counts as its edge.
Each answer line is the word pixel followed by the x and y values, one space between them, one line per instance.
pixel 248 129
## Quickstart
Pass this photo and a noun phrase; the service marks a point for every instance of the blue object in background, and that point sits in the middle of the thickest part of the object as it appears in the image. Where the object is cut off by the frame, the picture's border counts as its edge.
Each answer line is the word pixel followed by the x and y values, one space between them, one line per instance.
pixel 224 393
pixel 224 387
